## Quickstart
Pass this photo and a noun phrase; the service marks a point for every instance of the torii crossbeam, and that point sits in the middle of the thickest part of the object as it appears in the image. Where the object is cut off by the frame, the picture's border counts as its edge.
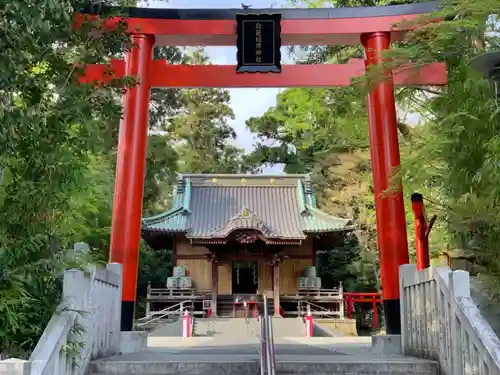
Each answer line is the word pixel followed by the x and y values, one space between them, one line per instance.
pixel 373 27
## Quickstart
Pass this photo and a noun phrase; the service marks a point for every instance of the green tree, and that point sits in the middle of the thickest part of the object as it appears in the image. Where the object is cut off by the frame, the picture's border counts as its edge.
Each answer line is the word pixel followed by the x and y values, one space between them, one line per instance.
pixel 51 141
pixel 454 155
pixel 324 132
pixel 204 139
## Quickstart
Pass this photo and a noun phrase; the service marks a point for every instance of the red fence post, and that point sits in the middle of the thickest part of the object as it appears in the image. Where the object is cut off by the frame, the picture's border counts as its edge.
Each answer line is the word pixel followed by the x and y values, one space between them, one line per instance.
pixel 421 237
pixel 350 307
pixel 186 325
pixel 309 324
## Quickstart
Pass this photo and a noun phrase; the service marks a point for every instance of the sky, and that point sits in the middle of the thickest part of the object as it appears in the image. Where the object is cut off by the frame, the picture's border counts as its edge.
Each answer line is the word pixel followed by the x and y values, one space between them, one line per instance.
pixel 250 102
pixel 245 103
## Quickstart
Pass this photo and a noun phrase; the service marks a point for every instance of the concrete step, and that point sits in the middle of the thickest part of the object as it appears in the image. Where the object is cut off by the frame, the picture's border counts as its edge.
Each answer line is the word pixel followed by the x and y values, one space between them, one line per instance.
pixel 230 327
pixel 242 367
pixel 288 327
pixel 234 327
pixel 170 329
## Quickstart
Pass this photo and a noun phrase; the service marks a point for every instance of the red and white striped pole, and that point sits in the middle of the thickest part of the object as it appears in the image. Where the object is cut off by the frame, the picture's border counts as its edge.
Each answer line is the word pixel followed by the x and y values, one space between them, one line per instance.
pixel 309 324
pixel 186 325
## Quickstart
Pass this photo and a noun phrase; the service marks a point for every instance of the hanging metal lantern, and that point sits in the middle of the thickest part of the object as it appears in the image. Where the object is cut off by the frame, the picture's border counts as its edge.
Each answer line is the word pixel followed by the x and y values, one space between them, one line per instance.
pixel 489 65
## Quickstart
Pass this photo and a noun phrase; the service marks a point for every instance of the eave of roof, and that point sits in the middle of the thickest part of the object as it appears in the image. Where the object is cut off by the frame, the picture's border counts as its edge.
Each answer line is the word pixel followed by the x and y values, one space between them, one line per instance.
pixel 317 221
pixel 173 221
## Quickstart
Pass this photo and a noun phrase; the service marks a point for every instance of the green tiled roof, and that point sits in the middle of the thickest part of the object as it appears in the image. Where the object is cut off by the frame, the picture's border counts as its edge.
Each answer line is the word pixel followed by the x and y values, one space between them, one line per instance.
pixel 212 206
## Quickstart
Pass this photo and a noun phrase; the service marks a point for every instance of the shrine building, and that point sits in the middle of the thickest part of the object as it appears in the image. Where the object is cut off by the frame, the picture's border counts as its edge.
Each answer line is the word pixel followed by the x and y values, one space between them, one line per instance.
pixel 244 236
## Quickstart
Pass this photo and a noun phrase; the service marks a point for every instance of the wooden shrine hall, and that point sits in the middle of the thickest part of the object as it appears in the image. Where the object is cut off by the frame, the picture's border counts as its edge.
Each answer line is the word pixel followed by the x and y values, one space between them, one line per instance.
pixel 245 235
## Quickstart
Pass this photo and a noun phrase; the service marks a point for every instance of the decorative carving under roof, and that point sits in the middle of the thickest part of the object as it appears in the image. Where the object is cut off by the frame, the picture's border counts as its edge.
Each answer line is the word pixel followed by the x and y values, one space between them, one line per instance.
pixel 246 238
pixel 246 219
pixel 211 258
pixel 277 258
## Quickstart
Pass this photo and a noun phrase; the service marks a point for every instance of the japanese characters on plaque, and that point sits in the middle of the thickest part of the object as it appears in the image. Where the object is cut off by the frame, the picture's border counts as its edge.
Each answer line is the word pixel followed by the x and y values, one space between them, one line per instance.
pixel 258 43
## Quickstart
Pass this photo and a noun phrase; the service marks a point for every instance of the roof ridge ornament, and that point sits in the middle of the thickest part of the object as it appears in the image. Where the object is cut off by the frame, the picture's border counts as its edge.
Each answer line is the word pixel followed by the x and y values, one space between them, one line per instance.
pixel 308 184
pixel 245 212
pixel 180 183
pixel 306 211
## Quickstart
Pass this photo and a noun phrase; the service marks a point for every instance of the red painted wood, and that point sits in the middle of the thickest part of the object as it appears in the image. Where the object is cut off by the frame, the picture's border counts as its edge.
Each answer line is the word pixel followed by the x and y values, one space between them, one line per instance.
pixel 130 166
pixel 325 75
pixel 363 297
pixel 384 145
pixel 337 31
pixel 421 238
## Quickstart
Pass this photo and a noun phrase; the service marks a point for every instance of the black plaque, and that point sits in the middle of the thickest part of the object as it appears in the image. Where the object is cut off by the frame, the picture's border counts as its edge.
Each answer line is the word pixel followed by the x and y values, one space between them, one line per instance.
pixel 258 43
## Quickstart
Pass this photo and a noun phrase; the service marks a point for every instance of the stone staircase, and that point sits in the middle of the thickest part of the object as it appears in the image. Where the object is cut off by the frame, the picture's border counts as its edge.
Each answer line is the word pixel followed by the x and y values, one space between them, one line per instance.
pixel 227 346
pixel 238 327
pixel 154 366
pixel 225 307
pixel 223 346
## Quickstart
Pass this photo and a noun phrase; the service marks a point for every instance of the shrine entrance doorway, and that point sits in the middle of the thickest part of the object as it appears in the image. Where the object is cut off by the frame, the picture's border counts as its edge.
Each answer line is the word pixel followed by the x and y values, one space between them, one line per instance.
pixel 245 276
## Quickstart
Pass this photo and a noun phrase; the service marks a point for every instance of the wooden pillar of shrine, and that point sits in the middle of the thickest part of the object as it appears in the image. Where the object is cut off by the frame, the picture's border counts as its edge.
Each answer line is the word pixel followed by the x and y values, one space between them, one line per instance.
pixel 212 258
pixel 276 287
pixel 277 259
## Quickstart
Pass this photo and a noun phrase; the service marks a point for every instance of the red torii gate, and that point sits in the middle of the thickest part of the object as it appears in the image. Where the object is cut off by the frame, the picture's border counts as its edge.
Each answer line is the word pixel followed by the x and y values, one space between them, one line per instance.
pixel 363 297
pixel 373 27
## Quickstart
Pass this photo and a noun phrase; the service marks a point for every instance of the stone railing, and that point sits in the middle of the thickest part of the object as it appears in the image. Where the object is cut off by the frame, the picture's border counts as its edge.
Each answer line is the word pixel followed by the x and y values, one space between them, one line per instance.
pixel 440 321
pixel 86 326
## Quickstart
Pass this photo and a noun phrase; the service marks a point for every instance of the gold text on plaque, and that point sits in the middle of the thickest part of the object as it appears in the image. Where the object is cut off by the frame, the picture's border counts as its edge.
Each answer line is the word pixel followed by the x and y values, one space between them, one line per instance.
pixel 258 42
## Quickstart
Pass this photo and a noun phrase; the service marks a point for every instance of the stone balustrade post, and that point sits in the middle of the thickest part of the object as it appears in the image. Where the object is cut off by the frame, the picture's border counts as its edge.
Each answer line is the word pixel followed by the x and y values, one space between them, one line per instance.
pixel 73 284
pixel 458 287
pixel 118 269
pixel 15 366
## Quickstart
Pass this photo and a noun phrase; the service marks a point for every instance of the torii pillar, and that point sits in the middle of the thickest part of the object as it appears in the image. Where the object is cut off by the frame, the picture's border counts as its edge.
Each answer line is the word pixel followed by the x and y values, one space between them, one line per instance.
pixel 130 170
pixel 389 204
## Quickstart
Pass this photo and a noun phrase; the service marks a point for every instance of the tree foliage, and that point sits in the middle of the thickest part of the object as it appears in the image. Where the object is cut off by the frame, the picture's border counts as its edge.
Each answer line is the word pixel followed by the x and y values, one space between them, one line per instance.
pixel 454 156
pixel 58 145
pixel 51 139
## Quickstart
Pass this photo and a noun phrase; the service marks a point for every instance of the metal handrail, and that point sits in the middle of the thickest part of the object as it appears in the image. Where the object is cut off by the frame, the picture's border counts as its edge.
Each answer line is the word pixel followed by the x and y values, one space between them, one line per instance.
pixel 272 370
pixel 267 352
pixel 157 315
pixel 262 347
pixel 320 309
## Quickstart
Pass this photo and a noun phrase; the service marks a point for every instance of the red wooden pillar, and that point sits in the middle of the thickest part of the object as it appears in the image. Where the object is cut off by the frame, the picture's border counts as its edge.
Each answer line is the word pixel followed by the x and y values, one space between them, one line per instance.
pixel 350 306
pixel 130 169
pixel 421 238
pixel 390 214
